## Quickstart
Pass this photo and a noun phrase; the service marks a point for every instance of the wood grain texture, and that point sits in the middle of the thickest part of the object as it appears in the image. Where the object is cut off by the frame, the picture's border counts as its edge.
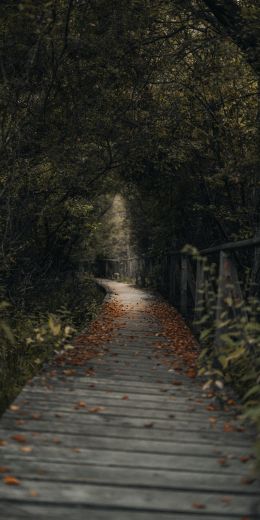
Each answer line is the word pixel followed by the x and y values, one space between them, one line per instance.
pixel 140 448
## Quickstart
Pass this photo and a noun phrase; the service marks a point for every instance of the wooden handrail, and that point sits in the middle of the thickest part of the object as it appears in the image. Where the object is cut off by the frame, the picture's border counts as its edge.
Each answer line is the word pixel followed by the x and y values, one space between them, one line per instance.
pixel 176 277
pixel 232 246
pixel 227 246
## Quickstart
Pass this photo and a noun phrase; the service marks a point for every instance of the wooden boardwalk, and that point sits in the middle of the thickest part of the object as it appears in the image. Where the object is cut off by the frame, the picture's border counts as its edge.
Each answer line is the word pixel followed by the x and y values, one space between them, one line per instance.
pixel 148 450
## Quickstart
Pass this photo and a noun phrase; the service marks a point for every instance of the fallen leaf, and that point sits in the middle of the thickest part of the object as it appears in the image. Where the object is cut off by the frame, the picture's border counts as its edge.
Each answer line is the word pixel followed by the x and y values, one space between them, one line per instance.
pixel 198 505
pixel 11 481
pixel 19 438
pixel 80 404
pixel 33 493
pixel 96 409
pixel 69 372
pixel 211 407
pixel 223 461
pixel 191 373
pixel 226 500
pixel 56 440
pixel 125 397
pixel 245 458
pixel 14 408
pixel 26 449
pixel 36 416
pixel 228 427
pixel 247 480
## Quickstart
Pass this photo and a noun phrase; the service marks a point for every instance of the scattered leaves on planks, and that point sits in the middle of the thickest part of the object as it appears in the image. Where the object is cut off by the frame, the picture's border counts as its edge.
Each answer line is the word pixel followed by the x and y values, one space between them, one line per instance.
pixel 181 341
pixel 89 345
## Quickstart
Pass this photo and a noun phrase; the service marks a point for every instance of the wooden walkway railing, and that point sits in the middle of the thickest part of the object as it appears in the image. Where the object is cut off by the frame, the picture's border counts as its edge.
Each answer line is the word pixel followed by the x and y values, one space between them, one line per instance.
pixel 182 277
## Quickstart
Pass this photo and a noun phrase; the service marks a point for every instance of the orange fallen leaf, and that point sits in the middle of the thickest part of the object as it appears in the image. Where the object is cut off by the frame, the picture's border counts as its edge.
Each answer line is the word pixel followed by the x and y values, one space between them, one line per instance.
pixel 9 480
pixel 56 440
pixel 69 372
pixel 198 505
pixel 19 438
pixel 33 493
pixel 80 404
pixel 244 458
pixel 228 427
pixel 231 402
pixel 36 416
pixel 191 373
pixel 226 500
pixel 96 409
pixel 223 461
pixel 26 449
pixel 211 407
pixel 125 397
pixel 14 408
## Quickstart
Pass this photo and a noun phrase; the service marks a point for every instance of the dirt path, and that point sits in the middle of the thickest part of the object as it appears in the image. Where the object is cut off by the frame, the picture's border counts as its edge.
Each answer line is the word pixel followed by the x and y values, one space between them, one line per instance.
pixel 119 433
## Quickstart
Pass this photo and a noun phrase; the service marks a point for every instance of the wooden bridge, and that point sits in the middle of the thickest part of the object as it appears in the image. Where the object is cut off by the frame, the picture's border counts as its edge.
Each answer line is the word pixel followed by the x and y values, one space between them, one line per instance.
pixel 124 438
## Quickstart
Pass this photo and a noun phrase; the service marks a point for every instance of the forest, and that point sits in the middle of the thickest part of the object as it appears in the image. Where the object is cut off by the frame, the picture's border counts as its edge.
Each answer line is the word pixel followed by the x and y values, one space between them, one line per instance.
pixel 154 103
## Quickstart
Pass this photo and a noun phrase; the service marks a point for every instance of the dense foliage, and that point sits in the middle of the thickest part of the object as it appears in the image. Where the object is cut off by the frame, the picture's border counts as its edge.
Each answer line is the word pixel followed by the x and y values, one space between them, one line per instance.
pixel 156 100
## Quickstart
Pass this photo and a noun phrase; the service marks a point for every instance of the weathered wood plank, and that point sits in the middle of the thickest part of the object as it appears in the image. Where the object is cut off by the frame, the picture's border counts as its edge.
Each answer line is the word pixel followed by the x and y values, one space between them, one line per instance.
pixel 53 512
pixel 131 498
pixel 103 441
pixel 154 454
pixel 192 463
pixel 113 430
pixel 108 408
pixel 98 474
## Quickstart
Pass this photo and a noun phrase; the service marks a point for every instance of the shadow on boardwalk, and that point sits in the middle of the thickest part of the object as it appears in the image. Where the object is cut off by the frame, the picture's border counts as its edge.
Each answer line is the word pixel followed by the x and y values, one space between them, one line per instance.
pixel 116 440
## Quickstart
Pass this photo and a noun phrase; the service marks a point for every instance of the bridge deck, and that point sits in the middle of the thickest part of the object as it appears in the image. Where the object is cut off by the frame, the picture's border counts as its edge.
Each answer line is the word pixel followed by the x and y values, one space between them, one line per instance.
pixel 119 441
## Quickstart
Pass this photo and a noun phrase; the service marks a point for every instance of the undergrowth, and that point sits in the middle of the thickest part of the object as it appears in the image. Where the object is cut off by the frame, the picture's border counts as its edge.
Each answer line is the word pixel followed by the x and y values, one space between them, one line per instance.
pixel 32 332
pixel 230 355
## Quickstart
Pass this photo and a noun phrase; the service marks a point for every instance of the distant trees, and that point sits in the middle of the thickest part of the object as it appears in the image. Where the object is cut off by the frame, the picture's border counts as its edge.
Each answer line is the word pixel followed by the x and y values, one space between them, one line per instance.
pixel 156 99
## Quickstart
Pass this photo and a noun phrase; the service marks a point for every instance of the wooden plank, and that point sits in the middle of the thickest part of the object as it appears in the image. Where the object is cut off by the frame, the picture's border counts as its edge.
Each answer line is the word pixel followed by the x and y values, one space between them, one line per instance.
pixel 149 478
pixel 170 404
pixel 133 499
pixel 124 431
pixel 217 422
pixel 104 417
pixel 25 510
pixel 103 441
pixel 192 463
pixel 152 387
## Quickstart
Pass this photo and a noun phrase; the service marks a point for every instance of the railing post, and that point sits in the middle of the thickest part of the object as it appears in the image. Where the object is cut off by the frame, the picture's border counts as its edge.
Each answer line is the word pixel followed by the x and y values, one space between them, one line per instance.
pixel 184 284
pixel 172 279
pixel 191 281
pixel 200 279
pixel 228 287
